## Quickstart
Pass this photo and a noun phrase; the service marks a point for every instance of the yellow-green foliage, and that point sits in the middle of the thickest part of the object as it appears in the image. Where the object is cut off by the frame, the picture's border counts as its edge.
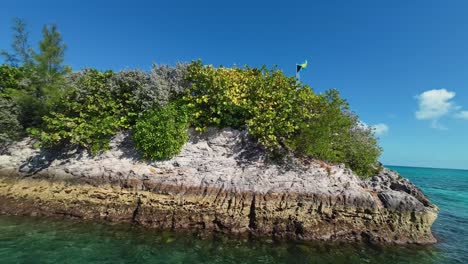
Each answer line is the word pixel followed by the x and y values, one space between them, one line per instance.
pixel 267 102
pixel 280 112
pixel 217 96
pixel 276 107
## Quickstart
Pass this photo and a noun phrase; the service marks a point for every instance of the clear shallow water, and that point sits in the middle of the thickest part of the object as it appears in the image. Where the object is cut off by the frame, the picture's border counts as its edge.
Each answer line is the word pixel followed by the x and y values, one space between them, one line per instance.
pixel 448 189
pixel 33 240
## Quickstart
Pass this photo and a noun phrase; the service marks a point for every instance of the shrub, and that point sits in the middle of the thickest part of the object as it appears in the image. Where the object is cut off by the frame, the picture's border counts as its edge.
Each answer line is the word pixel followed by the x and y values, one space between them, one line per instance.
pixel 362 151
pixel 10 128
pixel 30 108
pixel 218 97
pixel 164 84
pixel 10 77
pixel 95 105
pixel 33 97
pixel 161 132
pixel 266 102
pixel 276 106
pixel 280 113
pixel 15 85
pixel 335 134
pixel 126 86
pixel 90 114
pixel 324 135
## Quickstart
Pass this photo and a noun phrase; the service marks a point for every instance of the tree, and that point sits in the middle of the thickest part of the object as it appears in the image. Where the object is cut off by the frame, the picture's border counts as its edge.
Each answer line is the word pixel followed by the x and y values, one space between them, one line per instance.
pixel 49 71
pixel 49 60
pixel 22 50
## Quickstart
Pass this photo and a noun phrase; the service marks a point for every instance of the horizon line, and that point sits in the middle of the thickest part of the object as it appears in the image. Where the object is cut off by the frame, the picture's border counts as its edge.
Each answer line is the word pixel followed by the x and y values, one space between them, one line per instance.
pixel 420 167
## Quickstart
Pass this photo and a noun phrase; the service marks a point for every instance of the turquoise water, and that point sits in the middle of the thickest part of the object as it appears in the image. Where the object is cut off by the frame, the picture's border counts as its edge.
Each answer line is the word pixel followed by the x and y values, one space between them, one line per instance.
pixel 448 189
pixel 35 240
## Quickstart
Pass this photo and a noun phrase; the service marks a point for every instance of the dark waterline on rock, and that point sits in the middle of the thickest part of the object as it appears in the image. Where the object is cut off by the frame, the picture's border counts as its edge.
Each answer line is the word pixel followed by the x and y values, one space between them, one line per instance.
pixel 38 240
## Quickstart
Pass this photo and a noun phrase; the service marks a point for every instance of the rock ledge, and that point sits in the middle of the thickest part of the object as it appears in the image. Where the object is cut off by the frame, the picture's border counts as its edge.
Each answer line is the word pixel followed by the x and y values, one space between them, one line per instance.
pixel 220 182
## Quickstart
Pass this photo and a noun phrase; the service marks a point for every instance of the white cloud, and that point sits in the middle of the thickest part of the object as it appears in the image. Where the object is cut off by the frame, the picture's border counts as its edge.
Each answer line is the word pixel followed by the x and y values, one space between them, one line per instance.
pixel 462 115
pixel 434 104
pixel 380 129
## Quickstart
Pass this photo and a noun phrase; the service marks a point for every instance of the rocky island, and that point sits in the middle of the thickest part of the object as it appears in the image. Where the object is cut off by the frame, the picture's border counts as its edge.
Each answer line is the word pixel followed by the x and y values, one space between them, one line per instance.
pixel 221 181
pixel 240 151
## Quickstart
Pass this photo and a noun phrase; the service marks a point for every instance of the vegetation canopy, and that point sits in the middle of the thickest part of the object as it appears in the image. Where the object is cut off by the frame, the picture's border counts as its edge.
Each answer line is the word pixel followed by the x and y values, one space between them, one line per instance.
pixel 40 95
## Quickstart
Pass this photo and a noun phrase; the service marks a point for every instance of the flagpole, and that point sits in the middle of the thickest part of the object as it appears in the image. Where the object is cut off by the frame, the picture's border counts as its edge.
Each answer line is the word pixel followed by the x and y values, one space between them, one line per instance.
pixel 298 75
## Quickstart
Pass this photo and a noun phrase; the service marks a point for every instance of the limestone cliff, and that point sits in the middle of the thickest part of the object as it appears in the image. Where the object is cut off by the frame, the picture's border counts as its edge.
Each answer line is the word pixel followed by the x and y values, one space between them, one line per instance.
pixel 220 182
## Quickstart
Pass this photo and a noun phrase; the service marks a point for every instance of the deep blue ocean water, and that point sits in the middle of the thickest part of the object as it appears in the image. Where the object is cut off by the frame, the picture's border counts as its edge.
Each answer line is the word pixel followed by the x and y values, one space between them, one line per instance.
pixel 38 240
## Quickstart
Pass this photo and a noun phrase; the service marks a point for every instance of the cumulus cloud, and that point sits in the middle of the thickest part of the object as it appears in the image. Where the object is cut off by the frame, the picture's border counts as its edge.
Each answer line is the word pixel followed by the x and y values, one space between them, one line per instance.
pixel 437 103
pixel 380 129
pixel 434 104
pixel 462 115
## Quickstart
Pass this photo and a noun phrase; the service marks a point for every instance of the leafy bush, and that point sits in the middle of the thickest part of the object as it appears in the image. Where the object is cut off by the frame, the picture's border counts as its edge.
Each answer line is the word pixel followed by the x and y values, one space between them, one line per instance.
pixel 280 113
pixel 335 134
pixel 276 106
pixel 10 77
pixel 125 87
pixel 362 151
pixel 97 104
pixel 161 132
pixel 90 114
pixel 15 85
pixel 34 97
pixel 324 135
pixel 218 97
pixel 164 84
pixel 10 128
pixel 267 102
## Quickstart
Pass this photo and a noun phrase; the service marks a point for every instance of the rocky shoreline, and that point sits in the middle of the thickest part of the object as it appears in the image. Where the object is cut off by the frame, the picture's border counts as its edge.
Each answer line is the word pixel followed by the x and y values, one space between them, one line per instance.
pixel 220 182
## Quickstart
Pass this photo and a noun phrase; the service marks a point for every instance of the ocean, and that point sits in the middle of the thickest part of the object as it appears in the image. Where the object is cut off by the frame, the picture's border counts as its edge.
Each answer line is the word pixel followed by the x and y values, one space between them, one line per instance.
pixel 39 240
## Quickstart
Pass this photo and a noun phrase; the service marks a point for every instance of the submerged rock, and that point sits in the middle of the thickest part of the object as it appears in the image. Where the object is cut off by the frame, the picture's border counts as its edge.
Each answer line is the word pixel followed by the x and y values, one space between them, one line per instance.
pixel 220 182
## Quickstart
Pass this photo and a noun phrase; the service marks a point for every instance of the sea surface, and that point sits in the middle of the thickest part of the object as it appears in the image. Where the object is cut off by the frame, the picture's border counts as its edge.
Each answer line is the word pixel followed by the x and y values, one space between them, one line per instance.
pixel 38 240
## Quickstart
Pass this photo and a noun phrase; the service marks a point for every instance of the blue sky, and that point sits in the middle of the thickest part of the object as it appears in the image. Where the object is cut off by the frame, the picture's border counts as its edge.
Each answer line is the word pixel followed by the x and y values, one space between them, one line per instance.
pixel 391 60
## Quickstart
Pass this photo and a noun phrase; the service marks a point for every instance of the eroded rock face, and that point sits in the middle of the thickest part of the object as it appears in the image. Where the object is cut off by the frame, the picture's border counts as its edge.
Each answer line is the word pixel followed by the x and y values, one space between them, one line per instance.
pixel 221 181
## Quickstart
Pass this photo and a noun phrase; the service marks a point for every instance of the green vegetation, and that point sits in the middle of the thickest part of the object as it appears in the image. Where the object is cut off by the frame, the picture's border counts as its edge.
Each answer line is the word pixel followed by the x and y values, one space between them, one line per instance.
pixel 89 114
pixel 281 113
pixel 335 134
pixel 34 82
pixel 22 52
pixel 40 95
pixel 10 128
pixel 266 102
pixel 161 132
